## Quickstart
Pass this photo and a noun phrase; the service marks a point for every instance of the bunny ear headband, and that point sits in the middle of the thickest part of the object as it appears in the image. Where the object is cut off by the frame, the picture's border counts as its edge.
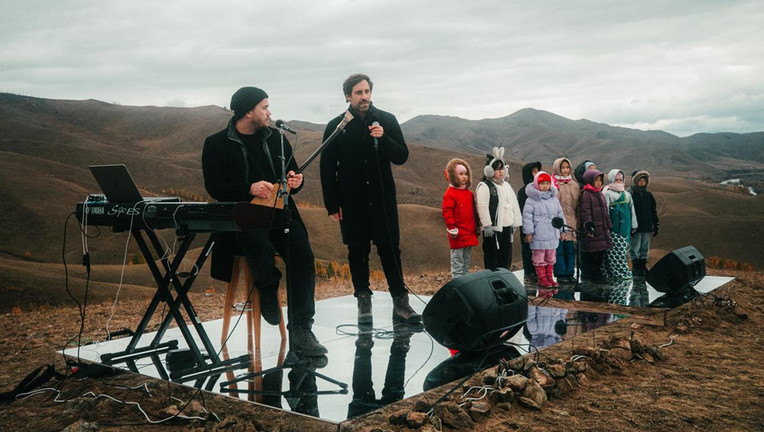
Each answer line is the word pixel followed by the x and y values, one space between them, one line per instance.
pixel 498 155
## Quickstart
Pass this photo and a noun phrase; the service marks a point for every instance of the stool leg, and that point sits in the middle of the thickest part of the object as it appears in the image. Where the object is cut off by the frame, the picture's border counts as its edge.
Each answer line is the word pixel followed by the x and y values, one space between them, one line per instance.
pixel 253 323
pixel 230 296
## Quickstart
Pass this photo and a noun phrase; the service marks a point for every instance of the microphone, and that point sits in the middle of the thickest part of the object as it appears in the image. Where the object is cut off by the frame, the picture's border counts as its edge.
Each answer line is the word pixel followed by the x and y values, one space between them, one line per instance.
pixel 376 141
pixel 283 126
pixel 558 222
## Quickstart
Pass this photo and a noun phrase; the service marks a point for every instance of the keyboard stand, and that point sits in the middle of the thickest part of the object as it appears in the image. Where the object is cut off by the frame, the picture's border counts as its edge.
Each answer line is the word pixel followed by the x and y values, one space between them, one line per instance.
pixel 207 365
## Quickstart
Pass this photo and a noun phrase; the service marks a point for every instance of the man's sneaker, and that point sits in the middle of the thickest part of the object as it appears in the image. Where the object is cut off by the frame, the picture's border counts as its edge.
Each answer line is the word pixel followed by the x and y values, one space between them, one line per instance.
pixel 402 311
pixel 364 309
pixel 270 308
pixel 305 342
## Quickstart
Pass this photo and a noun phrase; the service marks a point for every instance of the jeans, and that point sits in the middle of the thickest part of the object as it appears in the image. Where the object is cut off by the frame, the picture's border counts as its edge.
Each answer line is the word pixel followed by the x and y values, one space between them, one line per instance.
pixel 566 259
pixel 639 245
pixel 460 261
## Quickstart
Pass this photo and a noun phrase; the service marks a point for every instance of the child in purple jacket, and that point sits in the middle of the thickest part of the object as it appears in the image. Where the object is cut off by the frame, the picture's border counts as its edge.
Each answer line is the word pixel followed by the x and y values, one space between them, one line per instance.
pixel 595 219
pixel 540 207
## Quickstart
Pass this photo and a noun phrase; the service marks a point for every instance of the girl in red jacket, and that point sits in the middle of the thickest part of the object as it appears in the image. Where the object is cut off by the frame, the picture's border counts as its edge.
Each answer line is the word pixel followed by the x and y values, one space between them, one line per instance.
pixel 459 215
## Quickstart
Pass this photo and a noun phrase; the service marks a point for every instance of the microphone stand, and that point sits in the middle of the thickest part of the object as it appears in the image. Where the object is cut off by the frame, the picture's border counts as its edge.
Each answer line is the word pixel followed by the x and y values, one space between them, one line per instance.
pixel 292 361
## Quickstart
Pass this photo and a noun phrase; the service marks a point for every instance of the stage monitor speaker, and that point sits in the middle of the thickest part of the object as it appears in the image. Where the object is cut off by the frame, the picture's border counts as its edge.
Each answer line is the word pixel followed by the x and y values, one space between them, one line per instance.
pixel 477 311
pixel 677 271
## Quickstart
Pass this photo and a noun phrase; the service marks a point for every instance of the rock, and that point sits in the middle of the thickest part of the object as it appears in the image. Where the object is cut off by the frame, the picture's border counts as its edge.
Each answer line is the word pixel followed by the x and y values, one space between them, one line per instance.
pixel 517 364
pixel 529 403
pixel 504 394
pixel 648 358
pixel 428 428
pixel 480 410
pixel 454 416
pixel 489 376
pixel 542 377
pixel 636 346
pixel 655 352
pixel 535 393
pixel 81 426
pixel 587 352
pixel 194 409
pixel 398 418
pixel 575 367
pixel 421 406
pixel 505 406
pixel 517 383
pixel 556 370
pixel 621 347
pixel 416 419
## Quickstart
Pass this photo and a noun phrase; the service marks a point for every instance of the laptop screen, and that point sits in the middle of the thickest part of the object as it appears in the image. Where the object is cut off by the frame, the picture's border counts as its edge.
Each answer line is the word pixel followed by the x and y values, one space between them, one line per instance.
pixel 116 183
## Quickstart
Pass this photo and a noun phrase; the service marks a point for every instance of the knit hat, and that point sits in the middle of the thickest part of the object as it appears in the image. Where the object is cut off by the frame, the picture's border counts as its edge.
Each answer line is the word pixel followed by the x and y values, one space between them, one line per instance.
pixel 543 177
pixel 587 164
pixel 245 99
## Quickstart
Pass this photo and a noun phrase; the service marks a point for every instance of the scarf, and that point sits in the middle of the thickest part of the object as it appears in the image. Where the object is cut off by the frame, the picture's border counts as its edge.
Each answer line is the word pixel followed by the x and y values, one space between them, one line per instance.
pixel 562 179
pixel 618 187
pixel 591 188
pixel 498 181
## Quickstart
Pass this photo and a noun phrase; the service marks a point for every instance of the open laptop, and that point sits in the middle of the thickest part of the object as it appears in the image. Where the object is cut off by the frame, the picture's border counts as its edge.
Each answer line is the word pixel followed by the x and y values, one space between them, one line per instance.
pixel 116 183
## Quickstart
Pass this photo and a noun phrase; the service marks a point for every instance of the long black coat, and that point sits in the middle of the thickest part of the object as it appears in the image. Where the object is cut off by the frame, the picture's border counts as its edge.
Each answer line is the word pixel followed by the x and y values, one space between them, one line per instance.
pixel 358 177
pixel 228 176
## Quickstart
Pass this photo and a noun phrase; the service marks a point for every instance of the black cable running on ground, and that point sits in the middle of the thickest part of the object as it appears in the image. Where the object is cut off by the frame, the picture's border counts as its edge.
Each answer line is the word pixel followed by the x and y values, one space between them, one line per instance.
pixel 80 306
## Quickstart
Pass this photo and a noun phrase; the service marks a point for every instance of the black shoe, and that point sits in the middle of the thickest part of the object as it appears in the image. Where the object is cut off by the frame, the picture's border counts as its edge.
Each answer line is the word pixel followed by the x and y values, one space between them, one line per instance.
pixel 305 342
pixel 365 316
pixel 402 311
pixel 270 308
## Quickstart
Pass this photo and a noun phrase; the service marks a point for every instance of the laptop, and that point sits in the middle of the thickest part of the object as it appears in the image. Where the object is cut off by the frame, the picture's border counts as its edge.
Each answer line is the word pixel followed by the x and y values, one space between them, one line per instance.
pixel 116 183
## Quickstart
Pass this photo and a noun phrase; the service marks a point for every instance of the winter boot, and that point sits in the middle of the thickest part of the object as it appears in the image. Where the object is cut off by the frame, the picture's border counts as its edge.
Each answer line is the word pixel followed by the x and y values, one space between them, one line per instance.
pixel 402 311
pixel 550 275
pixel 364 309
pixel 543 278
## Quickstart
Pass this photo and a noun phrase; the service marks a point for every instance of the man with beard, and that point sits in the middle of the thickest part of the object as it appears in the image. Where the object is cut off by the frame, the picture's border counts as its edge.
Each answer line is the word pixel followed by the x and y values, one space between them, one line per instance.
pixel 242 162
pixel 359 193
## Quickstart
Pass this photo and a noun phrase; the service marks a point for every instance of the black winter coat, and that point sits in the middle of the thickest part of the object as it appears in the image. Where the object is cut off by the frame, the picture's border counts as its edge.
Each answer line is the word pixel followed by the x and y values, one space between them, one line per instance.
pixel 228 176
pixel 645 208
pixel 358 177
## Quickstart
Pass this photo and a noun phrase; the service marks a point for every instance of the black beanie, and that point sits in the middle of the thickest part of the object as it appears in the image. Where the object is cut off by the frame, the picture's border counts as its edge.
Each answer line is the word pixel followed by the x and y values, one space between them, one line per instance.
pixel 245 99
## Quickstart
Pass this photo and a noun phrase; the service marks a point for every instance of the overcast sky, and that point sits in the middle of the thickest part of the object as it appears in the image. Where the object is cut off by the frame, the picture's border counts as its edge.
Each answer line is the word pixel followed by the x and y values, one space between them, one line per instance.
pixel 679 66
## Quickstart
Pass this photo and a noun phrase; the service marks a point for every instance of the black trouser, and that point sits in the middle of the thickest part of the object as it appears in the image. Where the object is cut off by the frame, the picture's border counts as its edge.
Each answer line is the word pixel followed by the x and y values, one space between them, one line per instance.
pixel 498 256
pixel 592 264
pixel 389 255
pixel 525 247
pixel 259 247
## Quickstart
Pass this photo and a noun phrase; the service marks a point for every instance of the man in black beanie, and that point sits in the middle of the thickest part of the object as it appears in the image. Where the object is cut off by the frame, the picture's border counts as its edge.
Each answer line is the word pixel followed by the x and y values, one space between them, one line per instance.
pixel 242 162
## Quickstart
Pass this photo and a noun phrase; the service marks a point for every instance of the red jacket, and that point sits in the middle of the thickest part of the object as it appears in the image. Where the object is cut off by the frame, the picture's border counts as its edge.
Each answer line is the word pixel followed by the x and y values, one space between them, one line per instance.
pixel 459 212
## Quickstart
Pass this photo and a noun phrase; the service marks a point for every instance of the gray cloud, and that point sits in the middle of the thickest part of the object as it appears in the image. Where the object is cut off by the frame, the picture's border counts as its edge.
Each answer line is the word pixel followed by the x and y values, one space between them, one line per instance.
pixel 685 66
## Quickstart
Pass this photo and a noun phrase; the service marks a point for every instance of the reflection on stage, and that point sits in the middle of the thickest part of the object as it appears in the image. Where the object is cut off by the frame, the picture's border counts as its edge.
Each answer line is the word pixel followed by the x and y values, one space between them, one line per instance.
pixel 379 365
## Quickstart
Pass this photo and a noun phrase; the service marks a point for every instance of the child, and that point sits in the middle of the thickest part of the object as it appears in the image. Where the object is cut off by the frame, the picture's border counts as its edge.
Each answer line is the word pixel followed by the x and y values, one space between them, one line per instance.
pixel 624 222
pixel 569 195
pixel 529 171
pixel 596 225
pixel 498 212
pixel 460 217
pixel 540 207
pixel 581 169
pixel 647 219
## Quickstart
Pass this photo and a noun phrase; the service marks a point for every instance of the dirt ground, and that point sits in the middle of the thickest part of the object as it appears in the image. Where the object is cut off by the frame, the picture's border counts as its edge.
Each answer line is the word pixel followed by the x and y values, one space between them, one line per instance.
pixel 707 379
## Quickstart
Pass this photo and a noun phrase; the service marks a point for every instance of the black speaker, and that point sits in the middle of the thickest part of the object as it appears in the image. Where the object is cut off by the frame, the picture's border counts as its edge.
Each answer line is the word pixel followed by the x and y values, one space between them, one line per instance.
pixel 477 311
pixel 677 271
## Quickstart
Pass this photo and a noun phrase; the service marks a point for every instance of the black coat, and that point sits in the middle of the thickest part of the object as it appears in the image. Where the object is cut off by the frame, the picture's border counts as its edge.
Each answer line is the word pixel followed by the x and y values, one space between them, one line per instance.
pixel 358 177
pixel 645 208
pixel 228 176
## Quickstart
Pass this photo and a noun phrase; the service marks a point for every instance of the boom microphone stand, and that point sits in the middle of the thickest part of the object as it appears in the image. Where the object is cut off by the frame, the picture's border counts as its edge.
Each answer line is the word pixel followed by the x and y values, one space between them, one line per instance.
pixel 302 367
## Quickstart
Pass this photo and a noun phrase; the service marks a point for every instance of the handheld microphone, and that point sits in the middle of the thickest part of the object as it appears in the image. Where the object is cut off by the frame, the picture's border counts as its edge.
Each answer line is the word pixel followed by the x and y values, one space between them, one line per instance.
pixel 376 141
pixel 283 126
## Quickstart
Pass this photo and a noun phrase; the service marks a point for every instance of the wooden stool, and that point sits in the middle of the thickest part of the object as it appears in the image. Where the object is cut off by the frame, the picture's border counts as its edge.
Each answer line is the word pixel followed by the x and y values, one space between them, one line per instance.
pixel 254 318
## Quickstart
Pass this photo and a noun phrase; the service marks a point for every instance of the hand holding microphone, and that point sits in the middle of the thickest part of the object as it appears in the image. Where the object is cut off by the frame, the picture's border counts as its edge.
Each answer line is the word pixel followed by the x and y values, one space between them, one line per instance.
pixel 376 131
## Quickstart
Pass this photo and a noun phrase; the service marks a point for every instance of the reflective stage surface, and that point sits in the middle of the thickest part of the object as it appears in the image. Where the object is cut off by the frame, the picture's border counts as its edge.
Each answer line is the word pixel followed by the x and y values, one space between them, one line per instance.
pixel 380 365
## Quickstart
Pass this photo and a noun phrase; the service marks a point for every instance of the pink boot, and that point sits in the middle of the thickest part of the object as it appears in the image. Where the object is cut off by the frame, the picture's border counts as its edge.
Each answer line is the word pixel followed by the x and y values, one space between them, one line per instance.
pixel 550 275
pixel 544 281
